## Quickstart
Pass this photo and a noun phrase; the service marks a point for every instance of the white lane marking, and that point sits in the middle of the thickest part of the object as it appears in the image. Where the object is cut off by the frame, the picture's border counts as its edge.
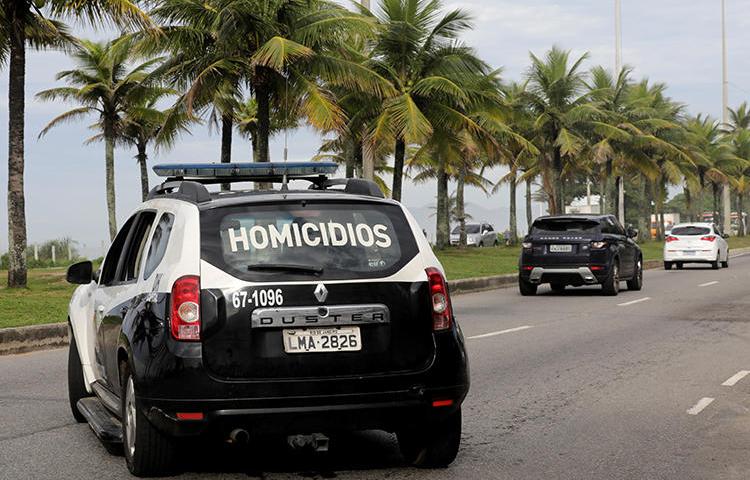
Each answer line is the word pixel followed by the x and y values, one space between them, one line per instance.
pixel 633 302
pixel 708 284
pixel 732 381
pixel 501 332
pixel 698 408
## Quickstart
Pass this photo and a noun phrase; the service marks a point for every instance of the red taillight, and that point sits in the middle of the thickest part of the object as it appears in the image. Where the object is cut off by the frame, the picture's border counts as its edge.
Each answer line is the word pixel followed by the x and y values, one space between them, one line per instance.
pixel 528 268
pixel 189 415
pixel 186 308
pixel 708 238
pixel 442 403
pixel 670 238
pixel 441 303
pixel 596 268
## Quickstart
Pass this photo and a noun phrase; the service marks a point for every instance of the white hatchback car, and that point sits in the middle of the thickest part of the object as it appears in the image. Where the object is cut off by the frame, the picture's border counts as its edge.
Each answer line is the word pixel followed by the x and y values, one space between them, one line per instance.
pixel 696 243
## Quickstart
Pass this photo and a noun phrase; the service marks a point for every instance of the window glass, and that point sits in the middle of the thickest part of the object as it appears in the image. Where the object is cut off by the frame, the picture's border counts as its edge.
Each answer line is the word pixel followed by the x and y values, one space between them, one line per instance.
pixel 158 246
pixel 299 239
pixel 137 242
pixel 490 229
pixel 565 225
pixel 109 269
pixel 690 231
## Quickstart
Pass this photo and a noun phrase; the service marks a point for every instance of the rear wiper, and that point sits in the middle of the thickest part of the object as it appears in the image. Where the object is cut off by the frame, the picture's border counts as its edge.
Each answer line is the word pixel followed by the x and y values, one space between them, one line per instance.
pixel 287 267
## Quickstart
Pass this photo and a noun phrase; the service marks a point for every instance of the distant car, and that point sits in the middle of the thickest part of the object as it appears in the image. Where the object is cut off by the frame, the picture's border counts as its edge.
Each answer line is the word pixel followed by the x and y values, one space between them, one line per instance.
pixel 580 250
pixel 696 243
pixel 477 235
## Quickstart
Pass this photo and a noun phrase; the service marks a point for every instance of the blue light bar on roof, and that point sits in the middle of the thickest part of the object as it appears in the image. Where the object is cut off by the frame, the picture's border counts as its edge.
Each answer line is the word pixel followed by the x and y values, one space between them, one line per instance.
pixel 246 170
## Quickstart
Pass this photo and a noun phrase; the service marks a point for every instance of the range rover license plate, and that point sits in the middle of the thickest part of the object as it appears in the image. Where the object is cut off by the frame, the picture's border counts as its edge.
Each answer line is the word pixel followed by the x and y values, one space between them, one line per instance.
pixel 560 248
pixel 313 340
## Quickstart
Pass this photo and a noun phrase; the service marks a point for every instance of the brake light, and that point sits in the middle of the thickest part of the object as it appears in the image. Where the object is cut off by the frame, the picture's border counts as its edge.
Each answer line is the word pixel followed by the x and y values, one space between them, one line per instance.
pixel 596 268
pixel 708 238
pixel 441 304
pixel 670 238
pixel 189 415
pixel 442 403
pixel 186 306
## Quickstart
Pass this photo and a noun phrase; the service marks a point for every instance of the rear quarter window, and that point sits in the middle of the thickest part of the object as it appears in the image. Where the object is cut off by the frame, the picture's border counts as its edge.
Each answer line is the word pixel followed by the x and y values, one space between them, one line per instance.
pixel 344 240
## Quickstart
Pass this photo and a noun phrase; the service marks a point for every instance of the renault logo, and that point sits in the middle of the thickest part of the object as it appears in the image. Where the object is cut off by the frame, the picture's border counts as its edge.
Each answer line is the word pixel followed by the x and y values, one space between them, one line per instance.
pixel 321 292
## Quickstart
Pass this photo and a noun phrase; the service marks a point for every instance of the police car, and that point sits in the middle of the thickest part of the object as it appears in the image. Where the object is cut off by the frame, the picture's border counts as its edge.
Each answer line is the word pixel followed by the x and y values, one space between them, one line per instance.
pixel 243 313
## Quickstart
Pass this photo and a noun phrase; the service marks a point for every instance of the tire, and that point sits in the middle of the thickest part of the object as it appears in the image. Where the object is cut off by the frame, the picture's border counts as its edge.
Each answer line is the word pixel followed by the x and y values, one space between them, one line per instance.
pixel 148 452
pixel 76 382
pixel 668 265
pixel 527 289
pixel 715 264
pixel 434 445
pixel 725 264
pixel 636 283
pixel 611 286
pixel 680 265
pixel 558 287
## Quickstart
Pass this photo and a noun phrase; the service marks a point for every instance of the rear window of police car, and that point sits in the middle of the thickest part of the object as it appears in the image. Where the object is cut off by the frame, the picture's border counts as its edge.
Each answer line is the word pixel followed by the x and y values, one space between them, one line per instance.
pixel 330 240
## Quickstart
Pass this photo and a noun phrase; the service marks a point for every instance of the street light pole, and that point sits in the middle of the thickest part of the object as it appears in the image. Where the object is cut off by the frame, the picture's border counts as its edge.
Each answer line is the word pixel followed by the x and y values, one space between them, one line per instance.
pixel 618 68
pixel 368 157
pixel 726 193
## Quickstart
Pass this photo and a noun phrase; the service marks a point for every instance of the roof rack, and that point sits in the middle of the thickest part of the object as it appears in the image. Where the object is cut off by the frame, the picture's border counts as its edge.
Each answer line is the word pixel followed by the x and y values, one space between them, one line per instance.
pixel 187 180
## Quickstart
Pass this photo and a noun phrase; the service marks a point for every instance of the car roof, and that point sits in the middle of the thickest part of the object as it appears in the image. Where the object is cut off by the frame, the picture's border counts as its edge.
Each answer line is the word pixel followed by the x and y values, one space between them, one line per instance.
pixel 576 216
pixel 693 224
pixel 241 197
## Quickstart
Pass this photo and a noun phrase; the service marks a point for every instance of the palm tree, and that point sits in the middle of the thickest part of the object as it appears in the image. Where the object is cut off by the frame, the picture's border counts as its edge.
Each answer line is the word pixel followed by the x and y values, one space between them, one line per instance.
pixel 143 123
pixel 562 111
pixel 287 52
pixel 103 86
pixel 741 181
pixel 416 50
pixel 23 24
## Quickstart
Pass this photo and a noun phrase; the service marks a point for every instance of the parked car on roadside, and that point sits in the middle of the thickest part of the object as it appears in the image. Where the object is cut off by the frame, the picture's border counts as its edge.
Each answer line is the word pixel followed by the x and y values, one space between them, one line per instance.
pixel 580 250
pixel 284 312
pixel 477 235
pixel 696 243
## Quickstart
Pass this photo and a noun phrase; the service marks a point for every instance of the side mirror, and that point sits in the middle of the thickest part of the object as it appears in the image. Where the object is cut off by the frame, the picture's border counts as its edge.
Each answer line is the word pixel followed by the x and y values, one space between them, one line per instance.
pixel 632 232
pixel 80 273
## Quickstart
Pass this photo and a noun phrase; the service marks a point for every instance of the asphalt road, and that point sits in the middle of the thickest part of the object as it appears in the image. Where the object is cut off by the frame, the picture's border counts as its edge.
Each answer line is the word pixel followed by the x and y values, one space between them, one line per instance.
pixel 572 386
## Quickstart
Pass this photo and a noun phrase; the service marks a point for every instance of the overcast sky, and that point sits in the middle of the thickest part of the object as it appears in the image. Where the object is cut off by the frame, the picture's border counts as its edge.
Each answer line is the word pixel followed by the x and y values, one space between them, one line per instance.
pixel 672 41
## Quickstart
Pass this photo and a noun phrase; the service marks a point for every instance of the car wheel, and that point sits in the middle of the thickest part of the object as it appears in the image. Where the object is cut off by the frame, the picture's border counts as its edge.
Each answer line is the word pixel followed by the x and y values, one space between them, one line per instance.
pixel 725 264
pixel 680 265
pixel 558 287
pixel 611 285
pixel 76 382
pixel 636 283
pixel 715 264
pixel 148 452
pixel 527 289
pixel 667 265
pixel 434 445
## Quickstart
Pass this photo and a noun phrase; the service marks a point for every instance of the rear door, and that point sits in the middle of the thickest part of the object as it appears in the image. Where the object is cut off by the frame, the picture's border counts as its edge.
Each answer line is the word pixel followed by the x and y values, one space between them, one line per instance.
pixel 313 288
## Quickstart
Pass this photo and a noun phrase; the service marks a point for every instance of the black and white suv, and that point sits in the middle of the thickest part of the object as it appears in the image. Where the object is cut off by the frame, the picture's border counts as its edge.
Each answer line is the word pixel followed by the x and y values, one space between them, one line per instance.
pixel 300 312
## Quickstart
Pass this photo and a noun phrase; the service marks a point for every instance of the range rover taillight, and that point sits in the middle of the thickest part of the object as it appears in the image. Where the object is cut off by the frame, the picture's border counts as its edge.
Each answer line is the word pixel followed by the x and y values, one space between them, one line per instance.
pixel 441 303
pixel 186 308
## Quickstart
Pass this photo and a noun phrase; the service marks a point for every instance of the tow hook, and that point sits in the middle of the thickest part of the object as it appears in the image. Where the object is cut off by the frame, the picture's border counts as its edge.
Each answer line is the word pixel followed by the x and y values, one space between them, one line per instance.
pixel 317 441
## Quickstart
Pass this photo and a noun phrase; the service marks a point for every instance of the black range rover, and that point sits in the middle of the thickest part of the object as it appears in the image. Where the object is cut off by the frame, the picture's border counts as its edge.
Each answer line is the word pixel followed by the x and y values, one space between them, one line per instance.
pixel 580 250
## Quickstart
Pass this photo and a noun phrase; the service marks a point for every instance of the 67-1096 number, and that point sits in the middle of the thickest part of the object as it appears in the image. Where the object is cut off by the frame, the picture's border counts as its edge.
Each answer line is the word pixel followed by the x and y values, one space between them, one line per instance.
pixel 269 297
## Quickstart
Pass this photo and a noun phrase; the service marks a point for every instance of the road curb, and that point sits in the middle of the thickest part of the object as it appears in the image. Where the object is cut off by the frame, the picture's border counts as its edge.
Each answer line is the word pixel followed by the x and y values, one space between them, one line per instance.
pixel 40 337
pixel 36 337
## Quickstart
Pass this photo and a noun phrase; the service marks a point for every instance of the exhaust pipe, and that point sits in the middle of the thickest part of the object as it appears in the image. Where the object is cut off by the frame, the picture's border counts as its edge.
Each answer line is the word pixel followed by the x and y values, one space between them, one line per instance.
pixel 239 436
pixel 316 441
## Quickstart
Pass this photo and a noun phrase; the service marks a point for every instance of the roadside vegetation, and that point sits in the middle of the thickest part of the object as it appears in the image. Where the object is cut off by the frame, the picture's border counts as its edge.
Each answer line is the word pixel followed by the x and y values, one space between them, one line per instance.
pixel 395 88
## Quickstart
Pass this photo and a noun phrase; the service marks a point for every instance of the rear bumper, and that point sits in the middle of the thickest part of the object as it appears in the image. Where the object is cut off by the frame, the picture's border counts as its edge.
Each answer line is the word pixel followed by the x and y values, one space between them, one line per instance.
pixel 581 275
pixel 699 257
pixel 388 411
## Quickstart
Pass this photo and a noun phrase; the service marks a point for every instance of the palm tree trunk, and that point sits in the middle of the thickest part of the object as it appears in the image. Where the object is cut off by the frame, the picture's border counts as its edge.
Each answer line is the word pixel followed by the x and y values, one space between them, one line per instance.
pixel 529 213
pixel 109 172
pixel 254 144
pixel 398 168
pixel 715 213
pixel 513 212
pixel 461 211
pixel 16 198
pixel 609 189
pixel 226 143
pixel 688 203
pixel 443 216
pixel 644 219
pixel 740 217
pixel 262 96
pixel 558 206
pixel 142 157
pixel 700 200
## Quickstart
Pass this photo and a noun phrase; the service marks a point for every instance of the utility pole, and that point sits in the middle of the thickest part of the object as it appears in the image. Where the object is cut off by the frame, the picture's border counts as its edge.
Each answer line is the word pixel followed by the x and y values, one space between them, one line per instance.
pixel 726 194
pixel 618 68
pixel 368 157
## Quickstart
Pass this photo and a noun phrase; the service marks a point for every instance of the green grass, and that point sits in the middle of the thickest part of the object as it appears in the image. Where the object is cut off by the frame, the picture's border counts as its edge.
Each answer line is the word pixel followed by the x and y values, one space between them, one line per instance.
pixel 483 262
pixel 44 301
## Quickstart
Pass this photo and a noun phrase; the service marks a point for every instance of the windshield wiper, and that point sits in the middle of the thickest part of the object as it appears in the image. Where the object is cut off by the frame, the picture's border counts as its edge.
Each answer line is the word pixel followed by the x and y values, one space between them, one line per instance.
pixel 287 267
